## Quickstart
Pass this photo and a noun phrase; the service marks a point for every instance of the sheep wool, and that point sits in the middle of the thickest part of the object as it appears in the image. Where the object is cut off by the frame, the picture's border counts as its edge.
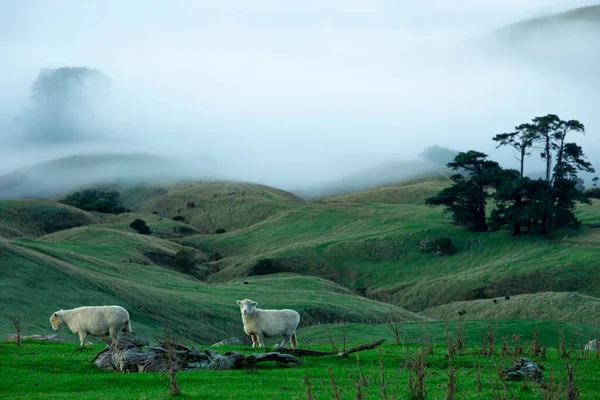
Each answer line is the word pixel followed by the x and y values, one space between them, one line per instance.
pixel 260 324
pixel 93 321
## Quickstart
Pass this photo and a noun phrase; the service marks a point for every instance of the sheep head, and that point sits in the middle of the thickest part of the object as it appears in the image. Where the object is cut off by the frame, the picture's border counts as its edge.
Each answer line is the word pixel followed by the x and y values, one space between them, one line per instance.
pixel 56 321
pixel 247 306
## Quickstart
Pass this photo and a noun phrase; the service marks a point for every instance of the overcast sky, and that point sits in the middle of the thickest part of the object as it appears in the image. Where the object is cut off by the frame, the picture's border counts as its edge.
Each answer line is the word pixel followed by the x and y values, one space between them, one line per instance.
pixel 287 91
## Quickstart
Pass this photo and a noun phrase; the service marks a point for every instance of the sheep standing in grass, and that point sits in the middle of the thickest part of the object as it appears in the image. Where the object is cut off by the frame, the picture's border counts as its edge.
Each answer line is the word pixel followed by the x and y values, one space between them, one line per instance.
pixel 260 324
pixel 94 321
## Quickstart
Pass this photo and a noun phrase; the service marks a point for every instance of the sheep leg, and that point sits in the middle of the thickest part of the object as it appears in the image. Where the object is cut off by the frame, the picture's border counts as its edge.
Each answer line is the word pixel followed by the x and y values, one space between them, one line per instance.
pixel 294 341
pixel 114 333
pixel 83 337
pixel 254 340
pixel 286 340
pixel 261 339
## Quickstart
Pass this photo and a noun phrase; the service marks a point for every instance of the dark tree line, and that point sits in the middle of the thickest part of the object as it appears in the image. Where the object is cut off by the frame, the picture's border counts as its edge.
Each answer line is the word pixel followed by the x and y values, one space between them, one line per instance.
pixel 521 204
pixel 103 201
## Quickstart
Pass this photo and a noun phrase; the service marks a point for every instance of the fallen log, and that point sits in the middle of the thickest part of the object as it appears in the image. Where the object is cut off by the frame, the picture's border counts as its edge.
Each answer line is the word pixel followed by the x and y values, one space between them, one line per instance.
pixel 315 353
pixel 127 355
pixel 12 337
pixel 234 360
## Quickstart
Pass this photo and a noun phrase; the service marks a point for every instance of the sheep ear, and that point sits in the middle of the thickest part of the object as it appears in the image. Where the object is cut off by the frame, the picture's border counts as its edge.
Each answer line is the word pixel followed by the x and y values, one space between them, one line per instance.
pixel 55 315
pixel 239 302
pixel 254 303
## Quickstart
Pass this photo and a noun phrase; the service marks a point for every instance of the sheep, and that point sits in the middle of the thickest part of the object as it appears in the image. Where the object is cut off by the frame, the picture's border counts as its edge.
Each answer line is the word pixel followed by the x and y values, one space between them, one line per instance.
pixel 260 324
pixel 94 321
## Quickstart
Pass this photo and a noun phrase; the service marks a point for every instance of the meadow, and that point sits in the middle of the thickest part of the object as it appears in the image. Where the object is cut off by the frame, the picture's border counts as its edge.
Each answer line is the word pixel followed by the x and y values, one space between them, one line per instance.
pixel 407 370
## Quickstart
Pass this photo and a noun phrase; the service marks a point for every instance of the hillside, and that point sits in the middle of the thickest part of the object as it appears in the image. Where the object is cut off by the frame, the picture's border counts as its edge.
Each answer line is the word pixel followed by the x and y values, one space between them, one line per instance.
pixel 375 249
pixel 563 306
pixel 405 193
pixel 345 257
pixel 381 175
pixel 96 265
pixel 35 218
pixel 209 206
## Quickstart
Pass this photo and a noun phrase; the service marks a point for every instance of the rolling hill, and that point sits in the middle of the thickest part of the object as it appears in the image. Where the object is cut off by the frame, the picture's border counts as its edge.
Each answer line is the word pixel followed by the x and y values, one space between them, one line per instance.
pixel 562 306
pixel 54 178
pixel 36 218
pixel 350 257
pixel 219 205
pixel 105 262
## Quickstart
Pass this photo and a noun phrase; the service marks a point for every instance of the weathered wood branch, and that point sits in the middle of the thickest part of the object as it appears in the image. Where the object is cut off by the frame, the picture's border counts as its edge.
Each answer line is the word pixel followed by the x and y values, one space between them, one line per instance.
pixel 362 347
pixel 127 355
pixel 315 353
pixel 234 360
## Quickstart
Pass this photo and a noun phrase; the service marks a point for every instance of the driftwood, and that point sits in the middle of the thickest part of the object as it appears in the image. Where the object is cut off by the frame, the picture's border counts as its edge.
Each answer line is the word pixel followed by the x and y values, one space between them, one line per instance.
pixel 306 352
pixel 43 338
pixel 127 355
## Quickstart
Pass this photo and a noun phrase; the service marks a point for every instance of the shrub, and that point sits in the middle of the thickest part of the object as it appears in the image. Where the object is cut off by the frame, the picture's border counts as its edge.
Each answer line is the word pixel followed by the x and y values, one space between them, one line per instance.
pixel 441 245
pixel 140 226
pixel 220 230
pixel 184 260
pixel 268 266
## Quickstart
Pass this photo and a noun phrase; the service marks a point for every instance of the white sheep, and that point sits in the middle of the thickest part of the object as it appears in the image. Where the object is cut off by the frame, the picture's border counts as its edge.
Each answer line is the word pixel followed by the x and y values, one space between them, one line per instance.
pixel 260 324
pixel 93 321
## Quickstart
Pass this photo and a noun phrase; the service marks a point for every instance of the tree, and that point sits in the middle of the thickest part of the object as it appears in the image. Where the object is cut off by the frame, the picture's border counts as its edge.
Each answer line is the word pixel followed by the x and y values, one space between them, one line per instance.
pixel 544 131
pixel 542 206
pixel 466 199
pixel 63 104
pixel 521 140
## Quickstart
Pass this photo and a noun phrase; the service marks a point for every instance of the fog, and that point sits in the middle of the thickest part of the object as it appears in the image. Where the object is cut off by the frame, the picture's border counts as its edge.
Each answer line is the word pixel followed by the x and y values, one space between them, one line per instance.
pixel 296 95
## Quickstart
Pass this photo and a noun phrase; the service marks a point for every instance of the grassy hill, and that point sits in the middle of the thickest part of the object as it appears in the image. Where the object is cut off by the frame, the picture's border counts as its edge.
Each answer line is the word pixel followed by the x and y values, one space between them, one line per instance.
pixel 563 306
pixel 96 265
pixel 220 205
pixel 35 218
pixel 162 227
pixel 405 193
pixel 417 332
pixel 376 250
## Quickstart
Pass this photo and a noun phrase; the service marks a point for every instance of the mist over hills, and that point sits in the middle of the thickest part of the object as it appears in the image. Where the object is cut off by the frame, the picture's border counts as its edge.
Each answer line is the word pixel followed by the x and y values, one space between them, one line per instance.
pixel 522 54
pixel 567 43
pixel 353 121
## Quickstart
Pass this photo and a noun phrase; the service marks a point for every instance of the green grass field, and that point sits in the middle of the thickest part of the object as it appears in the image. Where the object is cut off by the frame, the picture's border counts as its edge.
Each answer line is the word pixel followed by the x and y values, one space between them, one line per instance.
pixel 62 371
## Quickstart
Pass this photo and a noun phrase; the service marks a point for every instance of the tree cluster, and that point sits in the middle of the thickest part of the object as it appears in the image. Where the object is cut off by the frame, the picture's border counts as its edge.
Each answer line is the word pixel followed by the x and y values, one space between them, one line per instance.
pixel 521 204
pixel 64 102
pixel 103 201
